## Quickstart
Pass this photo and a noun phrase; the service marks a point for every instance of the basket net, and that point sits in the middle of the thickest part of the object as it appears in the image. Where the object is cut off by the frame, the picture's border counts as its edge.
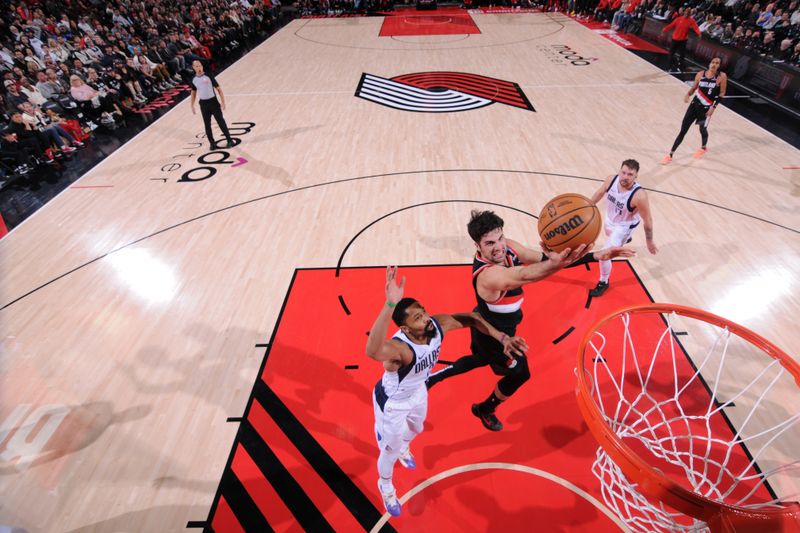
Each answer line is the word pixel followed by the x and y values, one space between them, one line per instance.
pixel 697 420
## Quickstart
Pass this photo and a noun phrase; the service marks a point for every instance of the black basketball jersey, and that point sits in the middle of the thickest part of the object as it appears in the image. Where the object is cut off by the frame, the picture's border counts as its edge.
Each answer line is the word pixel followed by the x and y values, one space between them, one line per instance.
pixel 707 90
pixel 505 313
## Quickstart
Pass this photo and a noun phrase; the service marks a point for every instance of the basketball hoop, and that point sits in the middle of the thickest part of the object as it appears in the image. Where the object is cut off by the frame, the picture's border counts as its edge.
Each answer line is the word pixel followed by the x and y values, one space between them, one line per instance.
pixel 697 418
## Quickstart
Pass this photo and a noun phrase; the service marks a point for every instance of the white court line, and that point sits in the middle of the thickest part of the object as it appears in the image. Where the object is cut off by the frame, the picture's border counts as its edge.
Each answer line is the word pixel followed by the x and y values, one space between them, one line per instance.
pixel 505 466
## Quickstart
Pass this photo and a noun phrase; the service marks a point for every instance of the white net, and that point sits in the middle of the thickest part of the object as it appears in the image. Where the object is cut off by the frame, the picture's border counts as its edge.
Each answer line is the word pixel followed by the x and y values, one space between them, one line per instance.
pixel 702 406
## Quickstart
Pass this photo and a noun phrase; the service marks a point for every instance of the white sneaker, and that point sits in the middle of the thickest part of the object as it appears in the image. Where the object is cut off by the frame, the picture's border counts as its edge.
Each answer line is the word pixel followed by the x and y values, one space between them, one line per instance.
pixel 407 460
pixel 390 501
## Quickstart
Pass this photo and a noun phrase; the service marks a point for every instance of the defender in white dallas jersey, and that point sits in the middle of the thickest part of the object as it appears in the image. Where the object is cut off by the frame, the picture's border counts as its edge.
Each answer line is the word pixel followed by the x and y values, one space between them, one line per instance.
pixel 627 207
pixel 400 399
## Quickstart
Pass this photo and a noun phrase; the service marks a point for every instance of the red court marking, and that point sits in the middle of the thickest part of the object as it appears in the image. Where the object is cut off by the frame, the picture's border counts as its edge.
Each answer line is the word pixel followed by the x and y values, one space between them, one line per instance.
pixel 316 339
pixel 315 488
pixel 495 89
pixel 544 428
pixel 3 228
pixel 441 22
pixel 262 492
pixel 625 40
pixel 91 187
pixel 504 10
pixel 224 519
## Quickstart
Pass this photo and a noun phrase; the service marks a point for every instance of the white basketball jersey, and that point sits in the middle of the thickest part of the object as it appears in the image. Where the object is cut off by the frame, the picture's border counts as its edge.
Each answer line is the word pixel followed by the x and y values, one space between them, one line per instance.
pixel 402 383
pixel 619 211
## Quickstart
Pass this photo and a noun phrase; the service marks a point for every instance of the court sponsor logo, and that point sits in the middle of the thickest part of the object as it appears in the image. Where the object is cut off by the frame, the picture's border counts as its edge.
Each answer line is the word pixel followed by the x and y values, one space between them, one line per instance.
pixel 208 162
pixel 440 92
pixel 561 54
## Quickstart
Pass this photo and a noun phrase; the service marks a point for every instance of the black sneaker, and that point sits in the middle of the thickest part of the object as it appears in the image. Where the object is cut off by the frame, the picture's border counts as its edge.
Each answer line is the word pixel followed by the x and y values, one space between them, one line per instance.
pixel 489 420
pixel 599 290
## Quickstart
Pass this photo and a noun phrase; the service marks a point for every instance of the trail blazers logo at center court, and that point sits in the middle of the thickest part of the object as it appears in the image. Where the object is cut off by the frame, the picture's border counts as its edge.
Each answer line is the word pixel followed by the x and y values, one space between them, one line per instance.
pixel 440 92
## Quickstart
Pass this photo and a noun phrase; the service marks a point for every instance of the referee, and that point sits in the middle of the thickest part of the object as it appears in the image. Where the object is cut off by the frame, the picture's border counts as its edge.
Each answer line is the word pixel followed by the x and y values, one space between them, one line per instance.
pixel 203 86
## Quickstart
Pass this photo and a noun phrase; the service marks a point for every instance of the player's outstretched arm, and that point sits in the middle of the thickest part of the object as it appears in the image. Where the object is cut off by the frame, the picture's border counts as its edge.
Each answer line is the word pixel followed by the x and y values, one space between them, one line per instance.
pixel 525 254
pixel 503 279
pixel 378 346
pixel 511 345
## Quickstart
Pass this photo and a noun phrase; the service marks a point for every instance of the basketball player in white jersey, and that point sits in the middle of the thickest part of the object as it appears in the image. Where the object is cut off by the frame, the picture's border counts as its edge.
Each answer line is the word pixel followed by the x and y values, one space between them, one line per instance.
pixel 400 399
pixel 708 88
pixel 627 207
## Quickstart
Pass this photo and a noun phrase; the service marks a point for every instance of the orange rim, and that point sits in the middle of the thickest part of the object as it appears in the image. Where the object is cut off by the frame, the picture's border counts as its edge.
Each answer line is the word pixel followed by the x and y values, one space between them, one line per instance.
pixel 720 516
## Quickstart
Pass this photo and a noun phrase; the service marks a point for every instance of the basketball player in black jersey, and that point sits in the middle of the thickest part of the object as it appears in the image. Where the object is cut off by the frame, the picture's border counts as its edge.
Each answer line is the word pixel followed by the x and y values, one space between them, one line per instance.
pixel 499 270
pixel 708 88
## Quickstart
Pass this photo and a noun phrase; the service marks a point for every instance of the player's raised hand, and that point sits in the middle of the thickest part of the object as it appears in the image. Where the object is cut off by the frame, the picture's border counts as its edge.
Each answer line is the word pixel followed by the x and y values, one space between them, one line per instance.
pixel 394 292
pixel 567 255
pixel 614 251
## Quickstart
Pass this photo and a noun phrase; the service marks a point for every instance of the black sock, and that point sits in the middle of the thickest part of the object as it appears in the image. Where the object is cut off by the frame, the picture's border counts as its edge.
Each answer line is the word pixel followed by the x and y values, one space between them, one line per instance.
pixel 491 403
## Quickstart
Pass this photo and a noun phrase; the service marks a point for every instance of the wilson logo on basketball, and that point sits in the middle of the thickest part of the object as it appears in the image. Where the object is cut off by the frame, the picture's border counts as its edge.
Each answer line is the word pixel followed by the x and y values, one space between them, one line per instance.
pixel 440 92
pixel 571 224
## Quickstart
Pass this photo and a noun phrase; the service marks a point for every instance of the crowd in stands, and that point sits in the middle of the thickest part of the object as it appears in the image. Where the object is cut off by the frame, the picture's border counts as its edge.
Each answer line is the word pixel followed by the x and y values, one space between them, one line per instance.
pixel 771 30
pixel 71 67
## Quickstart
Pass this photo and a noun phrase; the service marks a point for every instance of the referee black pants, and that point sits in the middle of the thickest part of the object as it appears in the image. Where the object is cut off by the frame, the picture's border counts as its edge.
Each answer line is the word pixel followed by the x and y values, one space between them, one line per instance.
pixel 679 48
pixel 210 108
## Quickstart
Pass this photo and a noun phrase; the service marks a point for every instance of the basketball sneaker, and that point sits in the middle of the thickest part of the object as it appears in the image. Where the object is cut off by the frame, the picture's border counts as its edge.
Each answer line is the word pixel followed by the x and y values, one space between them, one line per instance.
pixel 667 160
pixel 407 460
pixel 489 420
pixel 390 501
pixel 700 153
pixel 599 289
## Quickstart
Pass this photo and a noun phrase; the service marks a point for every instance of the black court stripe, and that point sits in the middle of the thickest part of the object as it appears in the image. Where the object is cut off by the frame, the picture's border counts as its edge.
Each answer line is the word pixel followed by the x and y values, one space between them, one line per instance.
pixel 287 487
pixel 241 504
pixel 351 367
pixel 344 305
pixel 588 301
pixel 564 335
pixel 443 362
pixel 344 488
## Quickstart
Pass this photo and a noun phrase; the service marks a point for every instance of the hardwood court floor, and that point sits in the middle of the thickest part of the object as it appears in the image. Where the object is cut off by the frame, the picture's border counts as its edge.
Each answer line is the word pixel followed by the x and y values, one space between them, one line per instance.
pixel 131 306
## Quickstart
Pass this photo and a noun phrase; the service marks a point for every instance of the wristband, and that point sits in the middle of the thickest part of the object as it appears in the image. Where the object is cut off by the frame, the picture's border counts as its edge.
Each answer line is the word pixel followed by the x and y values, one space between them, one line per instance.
pixel 503 338
pixel 390 304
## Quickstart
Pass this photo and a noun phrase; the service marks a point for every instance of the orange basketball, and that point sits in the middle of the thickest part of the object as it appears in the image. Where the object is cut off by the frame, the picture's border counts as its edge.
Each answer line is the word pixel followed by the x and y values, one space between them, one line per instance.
pixel 569 220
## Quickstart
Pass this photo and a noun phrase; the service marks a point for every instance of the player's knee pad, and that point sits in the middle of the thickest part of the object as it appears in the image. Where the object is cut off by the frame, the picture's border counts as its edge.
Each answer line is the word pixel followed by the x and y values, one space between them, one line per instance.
pixel 514 380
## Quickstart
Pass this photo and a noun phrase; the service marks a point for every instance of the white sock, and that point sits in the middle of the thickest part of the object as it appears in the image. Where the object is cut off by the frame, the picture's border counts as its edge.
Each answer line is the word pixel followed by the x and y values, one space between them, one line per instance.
pixel 605 271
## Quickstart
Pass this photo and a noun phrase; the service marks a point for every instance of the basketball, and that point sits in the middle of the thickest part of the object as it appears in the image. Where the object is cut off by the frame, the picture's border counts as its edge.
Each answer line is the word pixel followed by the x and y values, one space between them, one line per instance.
pixel 569 220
